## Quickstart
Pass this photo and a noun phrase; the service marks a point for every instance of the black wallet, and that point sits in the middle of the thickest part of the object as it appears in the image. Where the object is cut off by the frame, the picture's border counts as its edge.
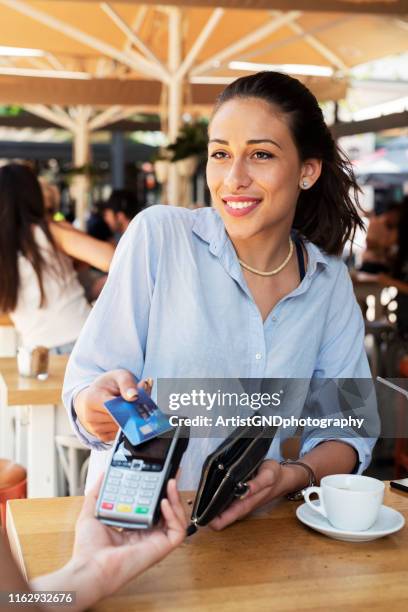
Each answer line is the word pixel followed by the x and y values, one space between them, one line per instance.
pixel 226 470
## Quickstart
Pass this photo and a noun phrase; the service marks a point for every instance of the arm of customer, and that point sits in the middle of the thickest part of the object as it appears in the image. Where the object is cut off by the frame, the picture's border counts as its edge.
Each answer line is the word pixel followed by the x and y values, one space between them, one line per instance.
pixel 113 336
pixel 103 559
pixel 331 451
pixel 81 246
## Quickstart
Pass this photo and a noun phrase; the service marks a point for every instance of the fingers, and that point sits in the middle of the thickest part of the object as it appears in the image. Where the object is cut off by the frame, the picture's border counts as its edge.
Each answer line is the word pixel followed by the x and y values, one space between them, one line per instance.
pixel 105 430
pixel 102 417
pixel 108 436
pixel 174 499
pixel 98 409
pixel 128 387
pixel 176 530
pixel 88 507
pixel 260 490
pixel 89 403
pixel 239 509
pixel 146 384
pixel 265 478
pixel 127 384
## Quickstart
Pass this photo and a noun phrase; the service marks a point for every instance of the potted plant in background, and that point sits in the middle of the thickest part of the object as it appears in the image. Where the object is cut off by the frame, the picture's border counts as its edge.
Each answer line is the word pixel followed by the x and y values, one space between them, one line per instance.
pixel 189 147
pixel 161 163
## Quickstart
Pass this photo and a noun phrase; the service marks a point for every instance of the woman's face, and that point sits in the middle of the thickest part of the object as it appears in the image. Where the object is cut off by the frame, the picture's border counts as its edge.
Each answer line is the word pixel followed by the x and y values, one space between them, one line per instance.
pixel 253 169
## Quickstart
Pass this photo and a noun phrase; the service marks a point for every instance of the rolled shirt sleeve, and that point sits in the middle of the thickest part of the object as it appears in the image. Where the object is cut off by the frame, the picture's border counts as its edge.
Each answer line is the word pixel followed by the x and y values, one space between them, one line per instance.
pixel 114 335
pixel 342 384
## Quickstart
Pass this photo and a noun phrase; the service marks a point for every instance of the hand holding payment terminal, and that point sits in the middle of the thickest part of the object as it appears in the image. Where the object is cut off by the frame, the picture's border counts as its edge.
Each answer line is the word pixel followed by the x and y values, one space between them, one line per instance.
pixel 136 479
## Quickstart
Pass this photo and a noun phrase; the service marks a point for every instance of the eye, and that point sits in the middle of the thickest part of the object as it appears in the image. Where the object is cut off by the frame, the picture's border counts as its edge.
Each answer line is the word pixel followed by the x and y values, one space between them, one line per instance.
pixel 262 155
pixel 219 155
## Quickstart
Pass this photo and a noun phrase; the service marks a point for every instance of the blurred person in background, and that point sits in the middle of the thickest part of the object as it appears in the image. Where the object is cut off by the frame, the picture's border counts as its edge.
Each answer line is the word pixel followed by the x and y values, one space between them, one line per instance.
pixel 96 225
pixel 52 198
pixel 92 279
pixel 104 559
pixel 119 210
pixel 399 272
pixel 381 241
pixel 39 288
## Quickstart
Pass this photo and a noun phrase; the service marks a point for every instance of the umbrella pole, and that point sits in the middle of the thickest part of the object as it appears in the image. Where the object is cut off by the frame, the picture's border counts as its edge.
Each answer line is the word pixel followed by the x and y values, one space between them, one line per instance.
pixel 174 98
pixel 81 151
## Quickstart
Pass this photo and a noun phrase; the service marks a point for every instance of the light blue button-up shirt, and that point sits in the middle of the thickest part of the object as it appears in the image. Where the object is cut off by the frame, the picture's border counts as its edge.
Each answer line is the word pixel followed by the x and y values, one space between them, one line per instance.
pixel 176 305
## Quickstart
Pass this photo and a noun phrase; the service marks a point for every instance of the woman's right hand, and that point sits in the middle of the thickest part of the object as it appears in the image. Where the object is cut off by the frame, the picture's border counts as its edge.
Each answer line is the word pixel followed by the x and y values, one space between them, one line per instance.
pixel 89 403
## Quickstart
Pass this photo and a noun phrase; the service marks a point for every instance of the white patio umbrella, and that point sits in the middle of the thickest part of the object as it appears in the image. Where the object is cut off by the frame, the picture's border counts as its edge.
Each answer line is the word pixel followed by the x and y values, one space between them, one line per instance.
pixel 93 57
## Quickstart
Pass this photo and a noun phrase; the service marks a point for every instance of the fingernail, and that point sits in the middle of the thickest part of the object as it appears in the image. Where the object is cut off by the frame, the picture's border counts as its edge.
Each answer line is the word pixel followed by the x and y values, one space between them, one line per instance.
pixel 131 393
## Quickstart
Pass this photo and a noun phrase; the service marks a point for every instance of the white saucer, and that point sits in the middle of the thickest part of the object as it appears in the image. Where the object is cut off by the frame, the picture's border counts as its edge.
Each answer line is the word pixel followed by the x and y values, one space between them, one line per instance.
pixel 389 521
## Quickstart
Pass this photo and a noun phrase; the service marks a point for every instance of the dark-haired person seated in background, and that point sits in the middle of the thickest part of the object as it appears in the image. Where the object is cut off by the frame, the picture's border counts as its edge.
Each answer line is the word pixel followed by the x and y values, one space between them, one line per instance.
pixel 120 208
pixel 96 226
pixel 381 241
pixel 92 279
pixel 39 287
pixel 103 559
pixel 108 221
pixel 398 276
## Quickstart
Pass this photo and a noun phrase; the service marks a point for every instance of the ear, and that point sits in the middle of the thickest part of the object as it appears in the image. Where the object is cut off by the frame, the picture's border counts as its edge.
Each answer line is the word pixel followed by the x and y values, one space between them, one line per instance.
pixel 310 172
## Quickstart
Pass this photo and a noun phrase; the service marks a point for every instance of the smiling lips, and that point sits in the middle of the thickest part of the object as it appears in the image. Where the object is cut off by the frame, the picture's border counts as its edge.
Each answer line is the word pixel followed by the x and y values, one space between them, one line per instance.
pixel 238 206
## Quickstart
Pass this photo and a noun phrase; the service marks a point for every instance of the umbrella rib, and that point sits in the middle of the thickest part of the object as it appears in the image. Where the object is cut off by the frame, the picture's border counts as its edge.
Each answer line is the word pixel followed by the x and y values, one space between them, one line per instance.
pixel 202 38
pixel 294 38
pixel 54 61
pixel 136 25
pixel 136 63
pixel 250 39
pixel 43 111
pixel 319 46
pixel 105 117
pixel 123 113
pixel 133 37
pixel 59 110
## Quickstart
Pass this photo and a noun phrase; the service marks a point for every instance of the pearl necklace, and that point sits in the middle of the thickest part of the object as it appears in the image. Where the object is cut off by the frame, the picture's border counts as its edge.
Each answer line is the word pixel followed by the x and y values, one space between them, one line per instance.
pixel 272 272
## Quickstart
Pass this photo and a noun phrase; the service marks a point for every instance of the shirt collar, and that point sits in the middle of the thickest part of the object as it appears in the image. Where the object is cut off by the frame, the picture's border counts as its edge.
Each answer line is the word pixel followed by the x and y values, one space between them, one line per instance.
pixel 209 226
pixel 316 256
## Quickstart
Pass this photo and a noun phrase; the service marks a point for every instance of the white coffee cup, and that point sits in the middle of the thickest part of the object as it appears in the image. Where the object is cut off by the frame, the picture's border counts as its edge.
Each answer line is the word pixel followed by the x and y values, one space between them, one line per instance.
pixel 349 501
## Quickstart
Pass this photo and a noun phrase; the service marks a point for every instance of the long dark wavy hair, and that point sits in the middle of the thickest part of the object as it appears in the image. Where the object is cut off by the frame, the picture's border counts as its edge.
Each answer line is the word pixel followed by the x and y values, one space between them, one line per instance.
pixel 327 213
pixel 21 210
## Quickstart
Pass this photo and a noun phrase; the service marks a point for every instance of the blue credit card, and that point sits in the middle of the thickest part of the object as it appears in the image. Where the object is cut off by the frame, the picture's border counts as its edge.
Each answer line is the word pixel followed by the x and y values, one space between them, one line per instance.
pixel 140 419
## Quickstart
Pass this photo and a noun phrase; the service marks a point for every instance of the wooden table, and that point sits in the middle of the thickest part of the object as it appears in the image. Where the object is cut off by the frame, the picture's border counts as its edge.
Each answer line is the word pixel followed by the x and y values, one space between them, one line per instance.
pixel 36 401
pixel 8 336
pixel 268 562
pixel 5 320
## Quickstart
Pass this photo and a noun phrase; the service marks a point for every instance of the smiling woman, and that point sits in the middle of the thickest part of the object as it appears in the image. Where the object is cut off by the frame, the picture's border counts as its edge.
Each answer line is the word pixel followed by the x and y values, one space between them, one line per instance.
pixel 251 288
pixel 278 156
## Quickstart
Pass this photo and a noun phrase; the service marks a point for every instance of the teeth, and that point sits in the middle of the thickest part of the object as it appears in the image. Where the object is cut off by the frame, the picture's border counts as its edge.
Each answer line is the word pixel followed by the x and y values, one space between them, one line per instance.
pixel 238 205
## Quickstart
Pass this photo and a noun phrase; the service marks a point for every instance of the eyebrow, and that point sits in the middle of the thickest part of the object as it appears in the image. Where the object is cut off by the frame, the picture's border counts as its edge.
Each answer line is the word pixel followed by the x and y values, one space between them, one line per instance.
pixel 253 141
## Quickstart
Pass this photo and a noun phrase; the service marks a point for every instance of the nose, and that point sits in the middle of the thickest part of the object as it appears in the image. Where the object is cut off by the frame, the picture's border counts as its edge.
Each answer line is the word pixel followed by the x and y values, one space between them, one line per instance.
pixel 237 176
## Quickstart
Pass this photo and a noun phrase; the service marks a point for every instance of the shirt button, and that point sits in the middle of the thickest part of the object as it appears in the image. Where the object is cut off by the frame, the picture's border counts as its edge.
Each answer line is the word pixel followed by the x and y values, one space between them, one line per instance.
pixel 258 356
pixel 274 318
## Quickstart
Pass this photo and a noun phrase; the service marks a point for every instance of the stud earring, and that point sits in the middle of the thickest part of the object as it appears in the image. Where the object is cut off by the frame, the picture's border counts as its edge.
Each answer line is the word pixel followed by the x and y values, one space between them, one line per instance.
pixel 305 184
